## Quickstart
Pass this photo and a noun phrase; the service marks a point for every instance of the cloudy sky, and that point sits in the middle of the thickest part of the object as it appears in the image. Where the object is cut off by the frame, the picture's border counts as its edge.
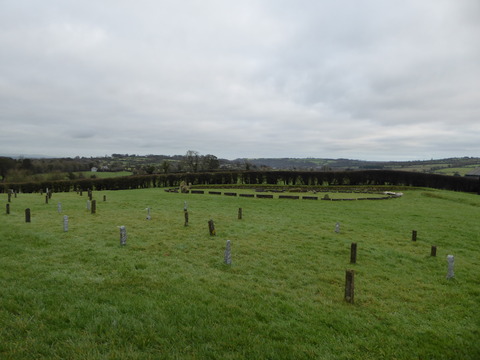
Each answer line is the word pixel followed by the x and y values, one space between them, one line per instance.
pixel 360 79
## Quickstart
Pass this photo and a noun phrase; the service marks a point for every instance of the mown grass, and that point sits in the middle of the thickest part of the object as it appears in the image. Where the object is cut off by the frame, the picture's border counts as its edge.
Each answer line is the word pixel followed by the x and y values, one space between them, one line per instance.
pixel 168 295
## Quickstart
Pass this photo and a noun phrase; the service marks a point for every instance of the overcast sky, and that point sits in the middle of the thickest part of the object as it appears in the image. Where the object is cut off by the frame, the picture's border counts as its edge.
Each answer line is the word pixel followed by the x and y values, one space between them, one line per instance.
pixel 359 79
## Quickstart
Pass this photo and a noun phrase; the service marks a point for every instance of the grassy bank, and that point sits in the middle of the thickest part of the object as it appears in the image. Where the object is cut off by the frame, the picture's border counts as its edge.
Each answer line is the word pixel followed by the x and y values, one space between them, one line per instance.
pixel 167 293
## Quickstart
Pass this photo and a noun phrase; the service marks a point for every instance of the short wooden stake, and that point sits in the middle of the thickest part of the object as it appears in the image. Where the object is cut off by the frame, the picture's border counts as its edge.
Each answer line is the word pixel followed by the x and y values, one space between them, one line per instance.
pixel 8 209
pixel 27 215
pixel 349 286
pixel 211 228
pixel 94 206
pixel 433 251
pixel 46 199
pixel 186 218
pixel 104 197
pixel 240 213
pixel 353 253
pixel 414 235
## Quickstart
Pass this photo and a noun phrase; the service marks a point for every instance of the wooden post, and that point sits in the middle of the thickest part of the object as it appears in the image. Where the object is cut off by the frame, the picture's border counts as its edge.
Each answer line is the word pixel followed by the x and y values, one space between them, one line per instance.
pixel 414 235
pixel 186 218
pixel 240 214
pixel 46 199
pixel 27 215
pixel 349 286
pixel 9 197
pixel 353 253
pixel 104 197
pixel 433 251
pixel 90 194
pixel 8 209
pixel 94 206
pixel 211 228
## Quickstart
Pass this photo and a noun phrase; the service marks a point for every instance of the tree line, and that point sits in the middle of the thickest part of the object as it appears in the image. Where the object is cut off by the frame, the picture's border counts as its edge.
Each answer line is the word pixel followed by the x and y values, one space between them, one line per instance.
pixel 286 178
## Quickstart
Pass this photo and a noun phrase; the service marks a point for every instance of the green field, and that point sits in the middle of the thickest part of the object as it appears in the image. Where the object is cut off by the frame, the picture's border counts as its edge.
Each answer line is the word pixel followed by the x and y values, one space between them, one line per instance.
pixel 168 295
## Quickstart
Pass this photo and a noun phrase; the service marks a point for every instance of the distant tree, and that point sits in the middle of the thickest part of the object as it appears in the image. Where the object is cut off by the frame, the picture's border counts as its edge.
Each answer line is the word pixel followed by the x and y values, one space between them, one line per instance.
pixel 6 164
pixel 192 160
pixel 210 162
pixel 166 166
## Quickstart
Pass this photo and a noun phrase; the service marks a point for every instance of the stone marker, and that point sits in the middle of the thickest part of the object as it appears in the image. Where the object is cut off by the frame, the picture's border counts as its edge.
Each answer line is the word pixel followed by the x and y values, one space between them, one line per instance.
pixel 27 215
pixel 94 206
pixel 88 205
pixel 337 227
pixel 123 236
pixel 211 228
pixel 148 214
pixel 451 262
pixel 59 207
pixel 349 286
pixel 65 223
pixel 228 254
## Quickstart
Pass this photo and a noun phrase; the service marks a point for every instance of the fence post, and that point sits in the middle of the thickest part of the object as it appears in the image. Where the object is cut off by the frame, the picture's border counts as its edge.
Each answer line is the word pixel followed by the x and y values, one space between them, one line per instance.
pixel 349 286
pixel 414 235
pixel 27 215
pixel 353 253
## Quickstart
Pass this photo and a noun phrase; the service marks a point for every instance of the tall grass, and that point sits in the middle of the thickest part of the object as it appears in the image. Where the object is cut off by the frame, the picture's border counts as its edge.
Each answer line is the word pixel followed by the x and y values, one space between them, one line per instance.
pixel 168 295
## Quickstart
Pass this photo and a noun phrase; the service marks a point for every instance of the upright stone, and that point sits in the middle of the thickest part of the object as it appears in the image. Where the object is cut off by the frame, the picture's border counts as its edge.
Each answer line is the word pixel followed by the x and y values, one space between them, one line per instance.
pixel 89 205
pixel 46 199
pixel 451 262
pixel 186 217
pixel 123 236
pixel 94 206
pixel 337 227
pixel 185 206
pixel 65 223
pixel 27 215
pixel 228 254
pixel 148 214
pixel 59 207
pixel 9 197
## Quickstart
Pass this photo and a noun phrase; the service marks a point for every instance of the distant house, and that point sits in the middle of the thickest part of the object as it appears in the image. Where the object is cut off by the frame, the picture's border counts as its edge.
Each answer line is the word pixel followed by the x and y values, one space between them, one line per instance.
pixel 474 173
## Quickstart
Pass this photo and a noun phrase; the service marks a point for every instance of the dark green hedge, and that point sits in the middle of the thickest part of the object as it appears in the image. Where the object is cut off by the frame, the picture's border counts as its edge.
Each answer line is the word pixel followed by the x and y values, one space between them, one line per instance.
pixel 295 178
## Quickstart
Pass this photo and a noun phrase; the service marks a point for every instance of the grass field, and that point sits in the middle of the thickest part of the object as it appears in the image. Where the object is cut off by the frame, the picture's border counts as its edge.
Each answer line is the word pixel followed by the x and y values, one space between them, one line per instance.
pixel 168 295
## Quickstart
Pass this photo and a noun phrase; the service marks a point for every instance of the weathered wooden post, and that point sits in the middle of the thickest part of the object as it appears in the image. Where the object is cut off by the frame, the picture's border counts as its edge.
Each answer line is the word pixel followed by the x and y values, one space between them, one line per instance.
pixel 349 286
pixel 8 209
pixel 433 251
pixel 94 206
pixel 9 196
pixel 27 215
pixel 228 255
pixel 46 199
pixel 240 213
pixel 211 228
pixel 104 197
pixel 186 218
pixel 414 235
pixel 123 236
pixel 353 253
